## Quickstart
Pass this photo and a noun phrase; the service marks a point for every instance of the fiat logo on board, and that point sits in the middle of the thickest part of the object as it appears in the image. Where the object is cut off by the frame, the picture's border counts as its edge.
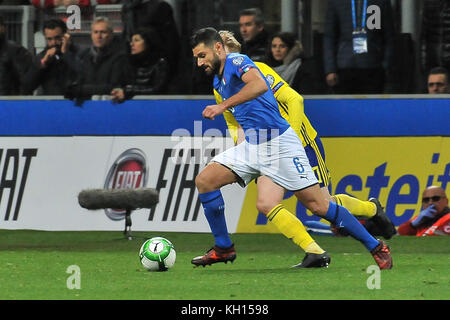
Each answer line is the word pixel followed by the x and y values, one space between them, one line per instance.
pixel 129 171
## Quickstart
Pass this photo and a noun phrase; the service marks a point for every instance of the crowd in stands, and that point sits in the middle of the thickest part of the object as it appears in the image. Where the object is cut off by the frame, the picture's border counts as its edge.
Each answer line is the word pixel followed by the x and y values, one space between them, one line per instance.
pixel 145 57
pixel 138 60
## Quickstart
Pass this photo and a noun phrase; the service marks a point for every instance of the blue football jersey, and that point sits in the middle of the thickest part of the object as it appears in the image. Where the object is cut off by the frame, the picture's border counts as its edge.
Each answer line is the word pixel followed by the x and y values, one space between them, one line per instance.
pixel 260 118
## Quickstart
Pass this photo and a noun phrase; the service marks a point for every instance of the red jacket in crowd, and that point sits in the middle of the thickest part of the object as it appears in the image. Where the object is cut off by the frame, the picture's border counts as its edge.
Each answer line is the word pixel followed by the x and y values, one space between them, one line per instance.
pixel 438 226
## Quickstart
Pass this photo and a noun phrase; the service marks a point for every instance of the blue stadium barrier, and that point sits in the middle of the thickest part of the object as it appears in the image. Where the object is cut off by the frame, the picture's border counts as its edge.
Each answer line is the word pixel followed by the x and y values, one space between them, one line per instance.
pixel 161 116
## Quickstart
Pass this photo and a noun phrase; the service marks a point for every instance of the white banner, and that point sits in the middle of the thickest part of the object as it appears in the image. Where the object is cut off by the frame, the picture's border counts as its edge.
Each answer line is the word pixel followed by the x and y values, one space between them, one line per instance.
pixel 42 176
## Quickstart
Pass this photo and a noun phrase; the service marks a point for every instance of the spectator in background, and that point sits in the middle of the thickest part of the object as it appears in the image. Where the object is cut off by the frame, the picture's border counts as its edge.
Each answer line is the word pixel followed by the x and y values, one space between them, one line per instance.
pixel 55 67
pixel 286 56
pixel 103 66
pixel 156 15
pixel 149 68
pixel 438 81
pixel 357 55
pixel 14 2
pixel 254 35
pixel 45 4
pixel 434 219
pixel 15 62
pixel 435 34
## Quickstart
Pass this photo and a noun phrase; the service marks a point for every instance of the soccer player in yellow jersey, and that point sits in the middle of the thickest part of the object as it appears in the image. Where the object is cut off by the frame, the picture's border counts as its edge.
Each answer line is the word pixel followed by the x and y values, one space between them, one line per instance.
pixel 291 108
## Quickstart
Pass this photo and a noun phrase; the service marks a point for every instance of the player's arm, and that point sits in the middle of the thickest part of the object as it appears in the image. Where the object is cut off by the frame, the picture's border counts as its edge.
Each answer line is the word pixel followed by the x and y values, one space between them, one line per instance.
pixel 254 86
pixel 294 102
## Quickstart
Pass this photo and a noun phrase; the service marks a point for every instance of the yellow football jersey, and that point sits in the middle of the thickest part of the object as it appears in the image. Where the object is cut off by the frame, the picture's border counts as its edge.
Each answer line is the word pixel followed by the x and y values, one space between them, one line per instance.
pixel 289 102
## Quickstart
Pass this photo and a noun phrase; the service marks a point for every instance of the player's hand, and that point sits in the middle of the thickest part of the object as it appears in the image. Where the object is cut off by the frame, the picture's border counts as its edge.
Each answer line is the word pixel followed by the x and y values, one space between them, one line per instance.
pixel 424 214
pixel 332 79
pixel 213 110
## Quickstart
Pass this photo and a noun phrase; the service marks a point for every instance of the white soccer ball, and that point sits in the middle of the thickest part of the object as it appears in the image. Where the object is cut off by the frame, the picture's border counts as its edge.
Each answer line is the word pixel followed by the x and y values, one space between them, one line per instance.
pixel 157 254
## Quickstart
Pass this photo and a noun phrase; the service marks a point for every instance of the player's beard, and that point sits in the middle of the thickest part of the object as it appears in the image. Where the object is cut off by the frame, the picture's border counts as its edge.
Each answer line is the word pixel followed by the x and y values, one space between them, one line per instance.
pixel 215 66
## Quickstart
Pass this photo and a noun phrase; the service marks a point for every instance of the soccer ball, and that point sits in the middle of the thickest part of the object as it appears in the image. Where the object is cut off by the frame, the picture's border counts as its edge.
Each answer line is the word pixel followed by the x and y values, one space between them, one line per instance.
pixel 157 254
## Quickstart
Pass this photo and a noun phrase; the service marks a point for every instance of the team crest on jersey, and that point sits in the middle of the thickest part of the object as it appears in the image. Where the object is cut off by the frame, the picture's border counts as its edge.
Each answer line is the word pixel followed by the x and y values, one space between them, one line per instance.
pixel 270 79
pixel 238 61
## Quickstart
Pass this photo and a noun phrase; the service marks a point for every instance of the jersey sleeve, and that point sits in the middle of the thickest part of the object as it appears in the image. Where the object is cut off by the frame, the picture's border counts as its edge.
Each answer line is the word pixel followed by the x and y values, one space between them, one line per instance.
pixel 274 79
pixel 294 102
pixel 217 97
pixel 286 97
pixel 232 124
pixel 240 64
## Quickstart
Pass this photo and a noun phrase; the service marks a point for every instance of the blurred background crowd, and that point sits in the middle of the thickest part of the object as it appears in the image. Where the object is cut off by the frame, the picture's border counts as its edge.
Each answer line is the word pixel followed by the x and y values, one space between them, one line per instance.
pixel 124 48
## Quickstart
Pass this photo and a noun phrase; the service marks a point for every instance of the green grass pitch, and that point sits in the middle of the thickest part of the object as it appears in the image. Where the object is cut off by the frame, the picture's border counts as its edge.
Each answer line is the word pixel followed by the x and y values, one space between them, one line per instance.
pixel 34 265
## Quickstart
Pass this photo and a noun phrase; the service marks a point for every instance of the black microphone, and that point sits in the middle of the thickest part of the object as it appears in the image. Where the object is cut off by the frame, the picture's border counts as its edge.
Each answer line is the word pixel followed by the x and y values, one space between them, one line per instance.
pixel 126 199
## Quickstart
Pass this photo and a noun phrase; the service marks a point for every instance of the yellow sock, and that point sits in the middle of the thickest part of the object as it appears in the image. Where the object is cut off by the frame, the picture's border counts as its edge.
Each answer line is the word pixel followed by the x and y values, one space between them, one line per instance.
pixel 292 228
pixel 355 206
pixel 313 247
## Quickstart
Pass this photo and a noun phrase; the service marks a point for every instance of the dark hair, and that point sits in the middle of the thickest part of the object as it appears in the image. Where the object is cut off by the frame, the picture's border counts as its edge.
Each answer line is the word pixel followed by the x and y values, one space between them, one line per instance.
pixel 153 44
pixel 256 12
pixel 288 38
pixel 55 23
pixel 209 36
pixel 2 21
pixel 439 70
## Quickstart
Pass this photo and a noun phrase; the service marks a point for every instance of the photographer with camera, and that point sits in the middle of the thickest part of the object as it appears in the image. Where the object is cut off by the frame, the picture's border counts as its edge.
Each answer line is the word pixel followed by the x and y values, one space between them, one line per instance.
pixel 55 67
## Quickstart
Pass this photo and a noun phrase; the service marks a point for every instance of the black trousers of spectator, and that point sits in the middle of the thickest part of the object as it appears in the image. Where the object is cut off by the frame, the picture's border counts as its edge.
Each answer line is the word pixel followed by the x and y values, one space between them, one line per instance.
pixel 360 81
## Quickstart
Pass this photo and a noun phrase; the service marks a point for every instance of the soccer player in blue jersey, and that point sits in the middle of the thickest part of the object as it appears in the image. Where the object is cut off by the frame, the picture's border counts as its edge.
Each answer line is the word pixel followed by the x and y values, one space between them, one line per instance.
pixel 271 150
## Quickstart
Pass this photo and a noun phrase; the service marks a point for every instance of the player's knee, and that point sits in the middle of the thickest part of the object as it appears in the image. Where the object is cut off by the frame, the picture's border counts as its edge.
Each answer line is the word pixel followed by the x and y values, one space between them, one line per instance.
pixel 203 183
pixel 319 208
pixel 264 206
